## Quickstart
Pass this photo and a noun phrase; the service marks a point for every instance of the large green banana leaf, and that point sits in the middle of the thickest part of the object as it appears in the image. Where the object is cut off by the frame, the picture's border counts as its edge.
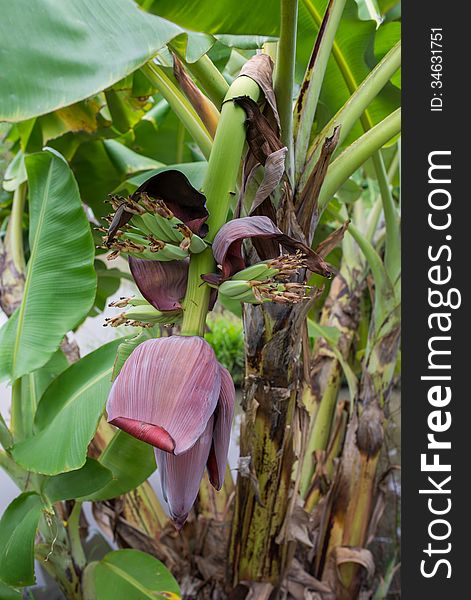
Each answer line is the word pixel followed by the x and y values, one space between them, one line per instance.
pixel 68 415
pixel 126 574
pixel 17 530
pixel 131 462
pixel 60 281
pixel 55 53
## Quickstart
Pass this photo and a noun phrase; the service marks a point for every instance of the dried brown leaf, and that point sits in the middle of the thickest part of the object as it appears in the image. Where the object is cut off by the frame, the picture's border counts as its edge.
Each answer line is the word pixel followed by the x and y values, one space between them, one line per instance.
pixel 274 170
pixel 258 591
pixel 299 575
pixel 261 137
pixel 359 556
pixel 306 207
pixel 260 69
pixel 206 110
pixel 332 240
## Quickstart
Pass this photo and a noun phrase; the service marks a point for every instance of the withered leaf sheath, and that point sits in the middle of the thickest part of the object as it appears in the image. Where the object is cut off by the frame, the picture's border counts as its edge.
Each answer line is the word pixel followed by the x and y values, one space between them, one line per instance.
pixel 261 137
pixel 260 69
pixel 265 148
pixel 306 207
pixel 206 110
pixel 332 240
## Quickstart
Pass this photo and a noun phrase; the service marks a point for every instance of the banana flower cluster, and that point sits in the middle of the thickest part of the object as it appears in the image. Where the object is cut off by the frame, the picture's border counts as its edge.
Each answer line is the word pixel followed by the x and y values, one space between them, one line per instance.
pixel 172 392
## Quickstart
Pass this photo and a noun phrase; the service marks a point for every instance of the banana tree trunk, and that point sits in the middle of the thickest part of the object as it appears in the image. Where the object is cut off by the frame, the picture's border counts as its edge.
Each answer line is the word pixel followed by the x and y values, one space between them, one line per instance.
pixel 273 338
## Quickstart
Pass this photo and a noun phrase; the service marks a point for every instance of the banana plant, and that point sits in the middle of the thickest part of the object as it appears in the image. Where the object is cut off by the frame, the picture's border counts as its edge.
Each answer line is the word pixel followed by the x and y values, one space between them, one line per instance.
pixel 226 140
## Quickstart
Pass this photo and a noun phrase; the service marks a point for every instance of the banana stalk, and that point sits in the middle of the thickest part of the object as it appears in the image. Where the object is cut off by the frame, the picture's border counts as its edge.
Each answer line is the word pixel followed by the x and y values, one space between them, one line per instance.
pixel 266 442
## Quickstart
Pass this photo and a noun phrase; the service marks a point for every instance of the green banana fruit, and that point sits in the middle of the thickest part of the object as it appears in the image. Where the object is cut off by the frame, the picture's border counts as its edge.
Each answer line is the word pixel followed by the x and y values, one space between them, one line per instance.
pixel 170 252
pixel 234 289
pixel 169 226
pixel 144 316
pixel 152 315
pixel 151 225
pixel 197 245
pixel 259 272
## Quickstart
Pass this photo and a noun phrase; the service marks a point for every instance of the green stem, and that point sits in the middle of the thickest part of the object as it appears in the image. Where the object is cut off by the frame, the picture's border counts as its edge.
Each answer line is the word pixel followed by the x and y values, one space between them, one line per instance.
pixel 73 528
pixel 356 105
pixel 372 221
pixel 16 424
pixel 392 256
pixel 270 48
pixel 356 154
pixel 196 301
pixel 307 100
pixel 219 188
pixel 15 229
pixel 373 217
pixel 321 430
pixel 208 76
pixel 180 142
pixel 16 473
pixel 284 75
pixel 180 106
pixel 6 439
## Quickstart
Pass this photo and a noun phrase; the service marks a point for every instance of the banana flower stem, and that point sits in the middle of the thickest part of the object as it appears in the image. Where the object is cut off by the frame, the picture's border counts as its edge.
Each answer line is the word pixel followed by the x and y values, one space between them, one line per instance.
pixel 219 188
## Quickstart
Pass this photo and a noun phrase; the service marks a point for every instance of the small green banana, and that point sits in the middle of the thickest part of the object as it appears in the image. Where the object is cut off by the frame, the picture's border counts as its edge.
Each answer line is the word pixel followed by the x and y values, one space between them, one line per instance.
pixel 170 227
pixel 152 315
pixel 234 289
pixel 144 316
pixel 138 222
pixel 150 249
pixel 260 272
pixel 197 245
pixel 153 224
pixel 170 252
pixel 138 302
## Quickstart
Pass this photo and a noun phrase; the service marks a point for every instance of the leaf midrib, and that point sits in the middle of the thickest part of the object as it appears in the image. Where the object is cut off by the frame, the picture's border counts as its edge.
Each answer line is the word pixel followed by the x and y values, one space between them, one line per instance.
pixel 89 384
pixel 131 580
pixel 34 250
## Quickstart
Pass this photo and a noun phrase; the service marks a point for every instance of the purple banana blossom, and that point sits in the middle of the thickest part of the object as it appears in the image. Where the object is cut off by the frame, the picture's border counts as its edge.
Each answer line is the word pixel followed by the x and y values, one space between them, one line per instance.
pixel 227 245
pixel 173 394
